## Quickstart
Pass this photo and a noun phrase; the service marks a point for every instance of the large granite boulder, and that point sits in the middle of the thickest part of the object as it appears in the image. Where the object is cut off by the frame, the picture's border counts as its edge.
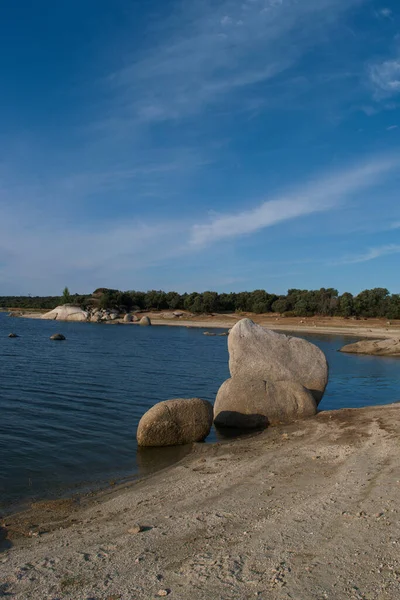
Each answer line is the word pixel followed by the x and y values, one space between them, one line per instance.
pixel 258 353
pixel 128 318
pixel 253 403
pixel 175 422
pixel 145 321
pixel 389 347
pixel 67 312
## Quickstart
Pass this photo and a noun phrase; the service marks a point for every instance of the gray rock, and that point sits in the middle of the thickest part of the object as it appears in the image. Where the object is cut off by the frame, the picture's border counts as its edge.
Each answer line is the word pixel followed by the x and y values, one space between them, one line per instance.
pixel 145 321
pixel 258 353
pixel 13 335
pixel 128 318
pixel 58 337
pixel 209 333
pixel 389 347
pixel 252 403
pixel 175 422
pixel 67 312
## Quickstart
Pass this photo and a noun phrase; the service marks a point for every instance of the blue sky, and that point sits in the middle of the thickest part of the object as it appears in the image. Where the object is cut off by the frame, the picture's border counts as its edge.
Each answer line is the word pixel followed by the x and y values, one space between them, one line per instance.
pixel 211 144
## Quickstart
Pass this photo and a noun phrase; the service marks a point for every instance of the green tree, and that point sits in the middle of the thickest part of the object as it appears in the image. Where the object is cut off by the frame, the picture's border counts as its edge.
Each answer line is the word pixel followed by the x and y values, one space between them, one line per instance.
pixel 66 296
pixel 280 305
pixel 372 303
pixel 346 305
pixel 210 302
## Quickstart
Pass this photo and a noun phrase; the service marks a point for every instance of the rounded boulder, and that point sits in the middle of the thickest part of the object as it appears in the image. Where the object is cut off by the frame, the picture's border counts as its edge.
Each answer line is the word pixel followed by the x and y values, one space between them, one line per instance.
pixel 254 403
pixel 258 353
pixel 175 422
pixel 145 321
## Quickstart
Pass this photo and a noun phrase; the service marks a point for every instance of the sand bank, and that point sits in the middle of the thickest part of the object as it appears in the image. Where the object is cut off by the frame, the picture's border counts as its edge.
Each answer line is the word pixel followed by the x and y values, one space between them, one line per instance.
pixel 306 511
pixel 370 328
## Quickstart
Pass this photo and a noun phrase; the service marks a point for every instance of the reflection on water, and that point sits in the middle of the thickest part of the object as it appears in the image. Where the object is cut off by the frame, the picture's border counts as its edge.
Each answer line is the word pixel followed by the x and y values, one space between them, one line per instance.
pixel 69 411
pixel 149 460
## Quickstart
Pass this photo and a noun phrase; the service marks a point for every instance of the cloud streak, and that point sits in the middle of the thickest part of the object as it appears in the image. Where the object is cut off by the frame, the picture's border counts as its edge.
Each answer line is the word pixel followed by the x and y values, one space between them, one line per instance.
pixel 319 196
pixel 371 254
pixel 385 78
pixel 209 51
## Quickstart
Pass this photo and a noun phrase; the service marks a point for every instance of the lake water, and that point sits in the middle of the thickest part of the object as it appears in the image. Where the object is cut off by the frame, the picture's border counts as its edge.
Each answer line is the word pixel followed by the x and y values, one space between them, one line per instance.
pixel 69 410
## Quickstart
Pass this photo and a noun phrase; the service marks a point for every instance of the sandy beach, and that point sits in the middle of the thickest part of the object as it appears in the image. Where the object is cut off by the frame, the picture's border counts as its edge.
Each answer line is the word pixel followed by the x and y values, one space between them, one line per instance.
pixel 306 511
pixel 371 328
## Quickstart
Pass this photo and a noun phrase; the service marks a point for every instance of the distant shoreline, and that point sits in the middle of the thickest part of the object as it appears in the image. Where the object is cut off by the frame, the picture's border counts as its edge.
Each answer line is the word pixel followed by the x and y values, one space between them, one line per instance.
pixel 370 328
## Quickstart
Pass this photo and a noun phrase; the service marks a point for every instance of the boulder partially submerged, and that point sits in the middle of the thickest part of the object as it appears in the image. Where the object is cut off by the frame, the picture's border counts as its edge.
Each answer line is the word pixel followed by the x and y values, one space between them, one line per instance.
pixel 175 422
pixel 58 337
pixel 253 403
pixel 388 347
pixel 275 379
pixel 67 312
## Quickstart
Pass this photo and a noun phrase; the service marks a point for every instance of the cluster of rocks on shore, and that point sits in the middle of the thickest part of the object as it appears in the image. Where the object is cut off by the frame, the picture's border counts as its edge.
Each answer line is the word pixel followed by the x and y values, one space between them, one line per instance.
pixel 275 379
pixel 70 312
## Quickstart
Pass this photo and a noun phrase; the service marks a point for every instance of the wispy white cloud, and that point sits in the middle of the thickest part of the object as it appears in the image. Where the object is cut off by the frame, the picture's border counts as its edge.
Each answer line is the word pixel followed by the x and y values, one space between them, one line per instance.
pixel 392 127
pixel 317 196
pixel 218 50
pixel 385 12
pixel 53 250
pixel 385 78
pixel 370 254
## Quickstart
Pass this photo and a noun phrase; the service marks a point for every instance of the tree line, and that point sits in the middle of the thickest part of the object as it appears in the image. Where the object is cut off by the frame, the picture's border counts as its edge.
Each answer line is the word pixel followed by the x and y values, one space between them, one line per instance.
pixel 377 302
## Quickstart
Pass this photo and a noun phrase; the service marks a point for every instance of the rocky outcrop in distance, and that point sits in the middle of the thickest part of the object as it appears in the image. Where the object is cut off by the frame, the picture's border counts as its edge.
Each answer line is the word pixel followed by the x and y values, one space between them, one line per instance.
pixel 145 321
pixel 66 312
pixel 389 347
pixel 69 312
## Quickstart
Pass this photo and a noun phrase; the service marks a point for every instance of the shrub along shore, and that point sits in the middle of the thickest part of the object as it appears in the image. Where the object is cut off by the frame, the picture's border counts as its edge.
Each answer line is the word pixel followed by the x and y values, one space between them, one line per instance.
pixel 374 303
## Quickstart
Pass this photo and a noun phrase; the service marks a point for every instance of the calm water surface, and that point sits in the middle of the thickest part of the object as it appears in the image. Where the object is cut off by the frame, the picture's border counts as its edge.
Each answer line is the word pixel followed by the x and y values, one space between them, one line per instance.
pixel 69 410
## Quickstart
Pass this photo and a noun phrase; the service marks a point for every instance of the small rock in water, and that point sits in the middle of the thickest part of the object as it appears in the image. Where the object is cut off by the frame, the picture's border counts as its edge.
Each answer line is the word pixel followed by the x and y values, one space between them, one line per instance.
pixel 58 337
pixel 209 333
pixel 12 335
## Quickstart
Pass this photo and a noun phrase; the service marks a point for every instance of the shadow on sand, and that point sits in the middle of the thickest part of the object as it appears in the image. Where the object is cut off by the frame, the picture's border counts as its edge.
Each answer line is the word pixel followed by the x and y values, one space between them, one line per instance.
pixel 239 422
pixel 5 543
